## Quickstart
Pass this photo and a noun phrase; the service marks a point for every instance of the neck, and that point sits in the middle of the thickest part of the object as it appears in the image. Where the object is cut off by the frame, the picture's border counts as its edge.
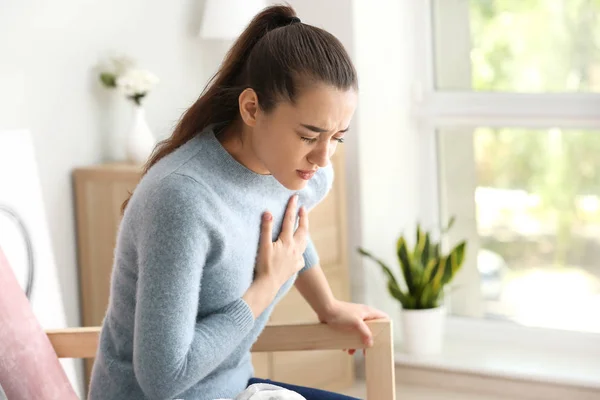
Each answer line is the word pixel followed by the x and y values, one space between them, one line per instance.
pixel 236 139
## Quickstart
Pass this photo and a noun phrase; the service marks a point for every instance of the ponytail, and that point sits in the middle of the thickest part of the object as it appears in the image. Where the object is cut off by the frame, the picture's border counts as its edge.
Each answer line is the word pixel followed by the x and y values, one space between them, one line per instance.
pixel 270 56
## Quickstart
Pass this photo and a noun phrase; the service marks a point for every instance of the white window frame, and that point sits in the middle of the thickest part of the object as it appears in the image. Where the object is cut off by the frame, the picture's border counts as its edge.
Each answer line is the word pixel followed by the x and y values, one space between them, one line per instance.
pixel 433 110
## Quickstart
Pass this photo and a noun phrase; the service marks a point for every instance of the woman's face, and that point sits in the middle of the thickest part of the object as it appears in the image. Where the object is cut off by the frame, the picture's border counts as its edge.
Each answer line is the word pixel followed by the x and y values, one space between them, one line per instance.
pixel 292 141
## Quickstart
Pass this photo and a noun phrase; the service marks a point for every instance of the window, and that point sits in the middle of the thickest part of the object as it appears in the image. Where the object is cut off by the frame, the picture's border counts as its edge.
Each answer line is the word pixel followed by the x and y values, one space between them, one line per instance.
pixel 511 103
pixel 534 46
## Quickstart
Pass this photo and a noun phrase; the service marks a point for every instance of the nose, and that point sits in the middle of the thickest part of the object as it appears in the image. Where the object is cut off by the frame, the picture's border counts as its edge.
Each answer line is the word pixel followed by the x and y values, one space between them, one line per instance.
pixel 321 154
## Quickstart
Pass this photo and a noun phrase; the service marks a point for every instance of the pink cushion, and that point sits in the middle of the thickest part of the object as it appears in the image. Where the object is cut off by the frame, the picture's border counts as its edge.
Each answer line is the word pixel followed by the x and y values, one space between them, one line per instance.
pixel 29 368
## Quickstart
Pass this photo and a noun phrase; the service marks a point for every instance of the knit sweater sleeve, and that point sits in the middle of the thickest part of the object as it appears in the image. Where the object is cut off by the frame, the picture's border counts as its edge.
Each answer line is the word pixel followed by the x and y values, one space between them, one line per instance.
pixel 172 349
pixel 311 257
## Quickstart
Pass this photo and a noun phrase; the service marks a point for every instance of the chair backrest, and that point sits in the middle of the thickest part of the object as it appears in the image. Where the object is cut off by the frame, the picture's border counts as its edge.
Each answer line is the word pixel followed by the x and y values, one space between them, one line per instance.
pixel 29 368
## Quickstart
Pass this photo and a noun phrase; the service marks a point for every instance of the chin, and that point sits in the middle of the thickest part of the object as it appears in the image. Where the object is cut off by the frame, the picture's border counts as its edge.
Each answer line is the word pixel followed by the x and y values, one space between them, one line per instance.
pixel 294 183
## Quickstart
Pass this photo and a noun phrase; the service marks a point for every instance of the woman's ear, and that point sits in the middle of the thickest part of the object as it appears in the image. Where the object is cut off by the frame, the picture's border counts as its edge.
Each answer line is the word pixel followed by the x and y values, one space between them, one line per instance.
pixel 248 103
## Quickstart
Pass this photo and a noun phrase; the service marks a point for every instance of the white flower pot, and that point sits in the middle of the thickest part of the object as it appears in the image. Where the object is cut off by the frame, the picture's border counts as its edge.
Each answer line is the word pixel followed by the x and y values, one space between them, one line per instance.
pixel 423 330
pixel 140 142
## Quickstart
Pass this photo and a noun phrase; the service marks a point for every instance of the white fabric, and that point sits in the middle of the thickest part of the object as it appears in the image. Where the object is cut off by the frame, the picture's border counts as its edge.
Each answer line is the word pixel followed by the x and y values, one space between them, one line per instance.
pixel 266 391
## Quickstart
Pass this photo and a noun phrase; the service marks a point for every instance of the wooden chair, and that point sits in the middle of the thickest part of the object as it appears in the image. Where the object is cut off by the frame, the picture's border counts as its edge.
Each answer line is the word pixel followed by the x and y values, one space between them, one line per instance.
pixel 379 359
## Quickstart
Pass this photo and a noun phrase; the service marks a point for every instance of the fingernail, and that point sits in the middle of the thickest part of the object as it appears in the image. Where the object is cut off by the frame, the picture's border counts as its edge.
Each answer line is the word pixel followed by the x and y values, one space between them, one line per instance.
pixel 267 216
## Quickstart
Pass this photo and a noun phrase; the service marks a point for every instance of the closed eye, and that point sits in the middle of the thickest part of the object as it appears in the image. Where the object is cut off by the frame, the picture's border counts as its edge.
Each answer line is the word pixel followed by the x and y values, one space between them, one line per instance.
pixel 312 140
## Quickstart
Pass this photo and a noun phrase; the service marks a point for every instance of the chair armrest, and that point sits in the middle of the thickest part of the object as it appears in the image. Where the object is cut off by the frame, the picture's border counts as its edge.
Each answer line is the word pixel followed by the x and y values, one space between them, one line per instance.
pixel 379 359
pixel 83 342
pixel 75 342
pixel 314 336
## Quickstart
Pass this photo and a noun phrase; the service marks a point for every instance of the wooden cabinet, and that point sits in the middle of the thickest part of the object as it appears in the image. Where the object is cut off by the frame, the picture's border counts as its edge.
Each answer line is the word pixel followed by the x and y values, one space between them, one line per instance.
pixel 99 193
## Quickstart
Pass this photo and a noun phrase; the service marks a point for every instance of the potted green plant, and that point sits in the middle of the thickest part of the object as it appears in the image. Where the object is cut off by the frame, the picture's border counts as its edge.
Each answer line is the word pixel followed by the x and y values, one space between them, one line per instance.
pixel 426 271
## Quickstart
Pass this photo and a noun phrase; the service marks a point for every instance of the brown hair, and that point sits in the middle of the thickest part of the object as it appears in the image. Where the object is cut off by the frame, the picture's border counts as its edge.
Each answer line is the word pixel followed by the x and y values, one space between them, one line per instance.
pixel 274 55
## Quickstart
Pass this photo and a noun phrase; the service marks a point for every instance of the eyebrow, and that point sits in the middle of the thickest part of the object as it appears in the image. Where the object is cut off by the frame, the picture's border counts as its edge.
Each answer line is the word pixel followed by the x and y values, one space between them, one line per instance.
pixel 319 130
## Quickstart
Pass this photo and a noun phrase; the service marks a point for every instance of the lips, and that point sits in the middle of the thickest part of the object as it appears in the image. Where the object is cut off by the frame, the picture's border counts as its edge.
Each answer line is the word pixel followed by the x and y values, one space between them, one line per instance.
pixel 306 175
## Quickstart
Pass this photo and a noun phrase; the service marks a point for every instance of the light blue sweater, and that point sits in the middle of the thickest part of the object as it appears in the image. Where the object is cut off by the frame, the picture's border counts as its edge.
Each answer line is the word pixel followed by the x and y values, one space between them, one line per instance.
pixel 176 325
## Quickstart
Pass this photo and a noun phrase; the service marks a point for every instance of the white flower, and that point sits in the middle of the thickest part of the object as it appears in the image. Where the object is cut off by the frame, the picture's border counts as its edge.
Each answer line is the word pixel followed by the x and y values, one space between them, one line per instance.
pixel 121 72
pixel 136 82
pixel 117 64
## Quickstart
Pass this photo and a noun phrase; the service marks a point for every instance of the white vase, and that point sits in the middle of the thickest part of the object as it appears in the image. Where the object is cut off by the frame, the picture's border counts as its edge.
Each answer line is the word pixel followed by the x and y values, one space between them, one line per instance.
pixel 140 142
pixel 423 330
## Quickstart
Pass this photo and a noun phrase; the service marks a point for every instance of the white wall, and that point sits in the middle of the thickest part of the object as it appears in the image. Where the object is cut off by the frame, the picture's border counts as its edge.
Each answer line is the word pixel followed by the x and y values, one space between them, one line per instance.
pixel 390 194
pixel 47 84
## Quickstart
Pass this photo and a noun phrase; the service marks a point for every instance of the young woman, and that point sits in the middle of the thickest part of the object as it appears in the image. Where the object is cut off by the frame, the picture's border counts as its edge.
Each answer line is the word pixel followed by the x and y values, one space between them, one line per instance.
pixel 208 243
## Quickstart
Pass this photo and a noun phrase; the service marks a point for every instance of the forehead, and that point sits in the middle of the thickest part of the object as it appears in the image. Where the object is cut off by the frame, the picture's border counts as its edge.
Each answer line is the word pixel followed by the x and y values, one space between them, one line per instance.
pixel 324 106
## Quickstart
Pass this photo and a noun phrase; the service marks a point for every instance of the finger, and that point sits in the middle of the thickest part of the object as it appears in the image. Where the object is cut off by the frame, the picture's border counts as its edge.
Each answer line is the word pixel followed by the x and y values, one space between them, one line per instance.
pixel 302 231
pixel 266 235
pixel 373 313
pixel 287 229
pixel 351 351
pixel 365 332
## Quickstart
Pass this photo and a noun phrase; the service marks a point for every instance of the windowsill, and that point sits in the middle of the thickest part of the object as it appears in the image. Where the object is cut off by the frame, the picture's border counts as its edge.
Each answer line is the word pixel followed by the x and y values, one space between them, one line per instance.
pixel 514 356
